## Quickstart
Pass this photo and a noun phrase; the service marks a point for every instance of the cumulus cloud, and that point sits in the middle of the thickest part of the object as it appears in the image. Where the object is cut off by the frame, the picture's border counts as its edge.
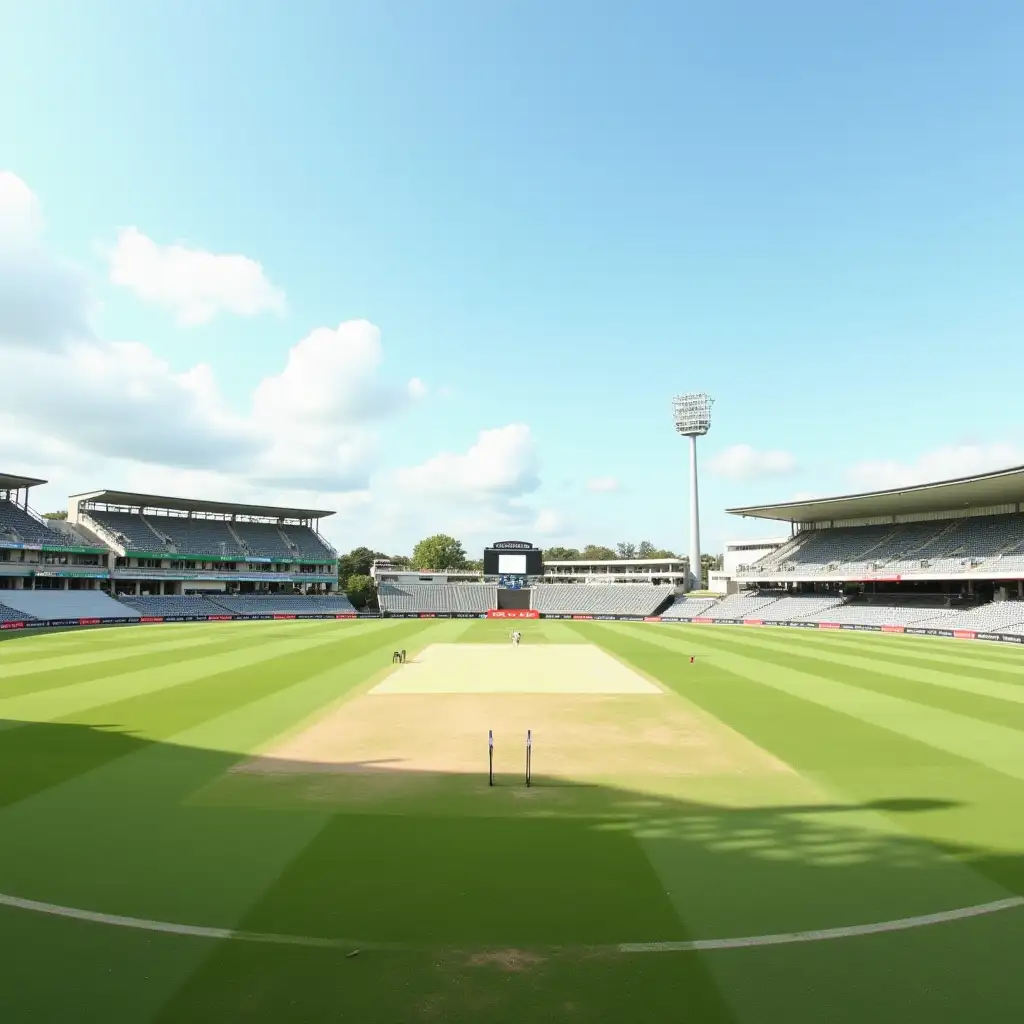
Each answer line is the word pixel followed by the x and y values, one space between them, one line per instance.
pixel 602 484
pixel 194 283
pixel 502 462
pixel 81 399
pixel 42 302
pixel 945 463
pixel 742 462
pixel 90 412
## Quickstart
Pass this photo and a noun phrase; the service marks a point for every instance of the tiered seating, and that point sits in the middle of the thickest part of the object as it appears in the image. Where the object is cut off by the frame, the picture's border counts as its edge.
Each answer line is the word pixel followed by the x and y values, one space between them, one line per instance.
pixel 988 618
pixel 437 598
pixel 68 604
pixel 309 545
pixel 17 525
pixel 689 607
pixel 198 536
pixel 130 529
pixel 884 615
pixel 264 540
pixel 993 543
pixel 800 606
pixel 744 606
pixel 284 604
pixel 13 615
pixel 185 604
pixel 598 598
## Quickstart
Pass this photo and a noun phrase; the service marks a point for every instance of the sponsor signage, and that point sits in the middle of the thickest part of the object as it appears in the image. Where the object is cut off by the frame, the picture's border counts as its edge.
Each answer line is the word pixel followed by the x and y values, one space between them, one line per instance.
pixel 349 615
pixel 862 627
pixel 963 634
pixel 12 625
pixel 829 625
pixel 893 629
pixel 222 618
pixel 753 622
pixel 921 631
pixel 151 618
pixel 512 545
pixel 284 616
pixel 583 616
pixel 702 618
pixel 428 615
pixel 652 618
pixel 513 613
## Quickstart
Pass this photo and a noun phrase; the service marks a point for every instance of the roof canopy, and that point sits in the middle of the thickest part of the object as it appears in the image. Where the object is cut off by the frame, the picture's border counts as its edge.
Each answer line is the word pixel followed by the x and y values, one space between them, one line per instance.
pixel 107 497
pixel 1003 487
pixel 13 482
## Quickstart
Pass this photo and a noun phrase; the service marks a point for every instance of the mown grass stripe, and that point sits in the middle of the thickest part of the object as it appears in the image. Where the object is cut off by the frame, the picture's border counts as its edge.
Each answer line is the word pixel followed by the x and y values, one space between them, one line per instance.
pixel 75 698
pixel 993 746
pixel 1013 692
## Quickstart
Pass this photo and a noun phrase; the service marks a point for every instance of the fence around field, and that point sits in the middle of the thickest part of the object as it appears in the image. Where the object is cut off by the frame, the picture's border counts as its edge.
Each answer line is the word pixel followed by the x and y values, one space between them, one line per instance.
pixel 10 628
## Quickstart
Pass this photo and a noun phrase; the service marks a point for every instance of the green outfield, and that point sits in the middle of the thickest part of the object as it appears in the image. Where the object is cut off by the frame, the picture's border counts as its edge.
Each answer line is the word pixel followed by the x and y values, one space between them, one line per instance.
pixel 269 821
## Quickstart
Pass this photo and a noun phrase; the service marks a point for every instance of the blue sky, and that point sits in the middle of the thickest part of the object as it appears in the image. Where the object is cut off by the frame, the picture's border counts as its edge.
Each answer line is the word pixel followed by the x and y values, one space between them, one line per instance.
pixel 548 217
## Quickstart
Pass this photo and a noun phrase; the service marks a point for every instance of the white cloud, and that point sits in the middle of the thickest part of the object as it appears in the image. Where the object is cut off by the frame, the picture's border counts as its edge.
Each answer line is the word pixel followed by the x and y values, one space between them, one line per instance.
pixel 90 412
pixel 742 462
pixel 945 463
pixel 195 284
pixel 502 462
pixel 602 484
pixel 21 220
pixel 42 301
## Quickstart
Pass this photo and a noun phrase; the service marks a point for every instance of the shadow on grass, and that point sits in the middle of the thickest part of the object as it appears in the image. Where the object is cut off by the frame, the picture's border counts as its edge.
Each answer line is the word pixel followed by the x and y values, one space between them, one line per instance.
pixel 513 911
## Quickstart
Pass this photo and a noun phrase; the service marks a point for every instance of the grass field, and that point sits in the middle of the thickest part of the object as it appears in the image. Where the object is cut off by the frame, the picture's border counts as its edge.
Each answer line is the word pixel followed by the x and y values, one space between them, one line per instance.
pixel 270 822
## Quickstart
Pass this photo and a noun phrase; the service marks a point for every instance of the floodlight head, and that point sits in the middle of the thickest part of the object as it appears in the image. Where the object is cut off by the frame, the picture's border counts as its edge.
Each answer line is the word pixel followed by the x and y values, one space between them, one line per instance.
pixel 692 414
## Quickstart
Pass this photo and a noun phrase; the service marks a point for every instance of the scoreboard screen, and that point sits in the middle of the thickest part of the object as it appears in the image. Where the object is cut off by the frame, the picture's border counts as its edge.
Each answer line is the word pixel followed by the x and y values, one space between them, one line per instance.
pixel 512 558
pixel 511 564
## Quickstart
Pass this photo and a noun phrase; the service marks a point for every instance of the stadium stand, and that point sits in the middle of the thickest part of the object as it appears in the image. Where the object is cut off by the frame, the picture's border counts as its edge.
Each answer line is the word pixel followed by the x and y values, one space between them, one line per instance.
pixel 198 536
pixel 307 543
pixel 885 615
pixel 998 617
pixel 437 598
pixel 17 525
pixel 992 543
pixel 599 599
pixel 68 604
pixel 131 530
pixel 689 607
pixel 284 604
pixel 799 606
pixel 741 606
pixel 186 604
pixel 264 540
pixel 8 614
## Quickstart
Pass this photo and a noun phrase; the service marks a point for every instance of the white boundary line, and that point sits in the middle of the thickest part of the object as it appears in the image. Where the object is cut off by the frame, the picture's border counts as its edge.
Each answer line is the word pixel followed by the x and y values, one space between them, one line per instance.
pixel 901 924
pixel 271 938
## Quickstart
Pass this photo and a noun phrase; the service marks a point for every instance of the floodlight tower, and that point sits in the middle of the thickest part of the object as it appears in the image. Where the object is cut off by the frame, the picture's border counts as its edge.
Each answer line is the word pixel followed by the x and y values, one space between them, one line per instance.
pixel 692 415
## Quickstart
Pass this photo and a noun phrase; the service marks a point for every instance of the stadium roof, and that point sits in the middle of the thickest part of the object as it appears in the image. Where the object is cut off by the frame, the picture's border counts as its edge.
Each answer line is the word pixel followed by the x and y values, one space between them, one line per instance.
pixel 13 482
pixel 108 497
pixel 1003 487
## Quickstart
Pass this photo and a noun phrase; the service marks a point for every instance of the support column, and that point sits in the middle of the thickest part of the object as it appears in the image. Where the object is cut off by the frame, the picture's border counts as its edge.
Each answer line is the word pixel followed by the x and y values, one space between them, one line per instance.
pixel 694 517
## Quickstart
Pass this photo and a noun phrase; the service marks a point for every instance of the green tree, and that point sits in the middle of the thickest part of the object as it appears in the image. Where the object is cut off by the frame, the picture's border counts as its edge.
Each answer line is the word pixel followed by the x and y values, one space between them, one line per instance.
pixel 357 562
pixel 663 553
pixel 709 564
pixel 645 549
pixel 438 553
pixel 625 549
pixel 359 589
pixel 561 554
pixel 598 553
pixel 400 561
pixel 55 515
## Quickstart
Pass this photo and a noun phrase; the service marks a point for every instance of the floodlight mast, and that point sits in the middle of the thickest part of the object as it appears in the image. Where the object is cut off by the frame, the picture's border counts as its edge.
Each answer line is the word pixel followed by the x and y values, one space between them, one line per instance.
pixel 692 416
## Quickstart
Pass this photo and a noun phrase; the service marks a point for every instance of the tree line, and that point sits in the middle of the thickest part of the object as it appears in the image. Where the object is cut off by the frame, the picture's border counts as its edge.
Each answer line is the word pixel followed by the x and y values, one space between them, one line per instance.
pixel 442 553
